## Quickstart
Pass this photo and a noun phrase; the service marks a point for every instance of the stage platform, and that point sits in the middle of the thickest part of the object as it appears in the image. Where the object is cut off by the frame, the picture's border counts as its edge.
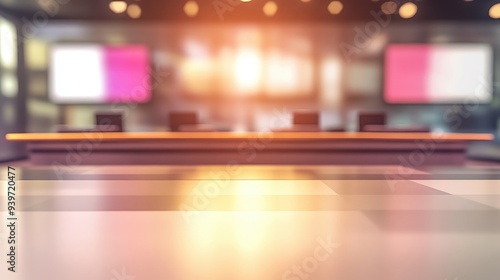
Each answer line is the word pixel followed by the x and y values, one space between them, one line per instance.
pixel 192 148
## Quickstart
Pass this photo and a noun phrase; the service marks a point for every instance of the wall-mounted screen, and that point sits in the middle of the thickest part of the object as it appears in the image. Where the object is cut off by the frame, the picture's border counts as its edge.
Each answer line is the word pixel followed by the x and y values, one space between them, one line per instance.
pixel 99 74
pixel 438 73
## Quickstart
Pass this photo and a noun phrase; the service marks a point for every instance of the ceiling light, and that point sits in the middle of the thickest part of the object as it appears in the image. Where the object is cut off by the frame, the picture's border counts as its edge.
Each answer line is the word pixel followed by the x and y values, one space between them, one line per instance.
pixel 191 8
pixel 408 10
pixel 495 11
pixel 134 11
pixel 118 7
pixel 270 8
pixel 335 7
pixel 389 7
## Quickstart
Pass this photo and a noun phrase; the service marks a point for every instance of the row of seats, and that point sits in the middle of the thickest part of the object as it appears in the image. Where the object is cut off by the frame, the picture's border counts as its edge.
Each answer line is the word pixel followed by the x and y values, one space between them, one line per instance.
pixel 302 121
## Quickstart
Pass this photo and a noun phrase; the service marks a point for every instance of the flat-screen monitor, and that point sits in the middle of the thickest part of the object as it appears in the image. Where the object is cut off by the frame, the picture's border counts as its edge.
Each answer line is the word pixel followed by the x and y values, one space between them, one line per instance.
pixel 99 74
pixel 366 119
pixel 179 119
pixel 306 118
pixel 106 120
pixel 438 74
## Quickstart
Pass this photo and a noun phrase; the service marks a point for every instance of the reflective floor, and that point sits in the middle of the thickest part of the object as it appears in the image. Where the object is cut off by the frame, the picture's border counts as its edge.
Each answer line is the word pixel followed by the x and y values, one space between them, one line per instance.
pixel 254 222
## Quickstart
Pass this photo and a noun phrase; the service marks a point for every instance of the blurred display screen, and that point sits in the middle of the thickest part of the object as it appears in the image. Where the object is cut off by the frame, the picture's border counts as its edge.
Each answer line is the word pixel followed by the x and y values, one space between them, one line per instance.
pixel 99 74
pixel 438 73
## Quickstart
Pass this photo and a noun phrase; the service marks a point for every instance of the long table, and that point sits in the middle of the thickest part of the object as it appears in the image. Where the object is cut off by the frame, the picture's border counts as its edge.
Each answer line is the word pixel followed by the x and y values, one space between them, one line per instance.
pixel 232 148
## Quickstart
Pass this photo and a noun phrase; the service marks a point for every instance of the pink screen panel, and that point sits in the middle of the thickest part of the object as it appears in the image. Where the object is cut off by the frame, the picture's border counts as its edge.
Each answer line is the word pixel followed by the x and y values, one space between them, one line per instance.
pixel 425 73
pixel 127 74
pixel 99 74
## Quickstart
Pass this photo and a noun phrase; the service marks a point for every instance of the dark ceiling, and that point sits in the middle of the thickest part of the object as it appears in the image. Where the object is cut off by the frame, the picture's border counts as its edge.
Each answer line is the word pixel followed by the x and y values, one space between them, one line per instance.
pixel 289 10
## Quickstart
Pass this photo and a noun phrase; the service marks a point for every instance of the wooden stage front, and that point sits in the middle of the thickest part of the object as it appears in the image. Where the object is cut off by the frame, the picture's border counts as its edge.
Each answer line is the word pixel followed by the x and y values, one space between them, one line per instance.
pixel 231 148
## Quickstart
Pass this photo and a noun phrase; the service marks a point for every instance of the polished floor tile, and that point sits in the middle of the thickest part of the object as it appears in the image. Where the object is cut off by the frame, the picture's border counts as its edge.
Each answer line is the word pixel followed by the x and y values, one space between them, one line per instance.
pixel 255 222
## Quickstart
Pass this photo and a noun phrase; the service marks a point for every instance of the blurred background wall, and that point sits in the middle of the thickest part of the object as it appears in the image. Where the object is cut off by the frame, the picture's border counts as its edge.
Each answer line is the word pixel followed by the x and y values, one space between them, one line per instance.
pixel 12 86
pixel 336 69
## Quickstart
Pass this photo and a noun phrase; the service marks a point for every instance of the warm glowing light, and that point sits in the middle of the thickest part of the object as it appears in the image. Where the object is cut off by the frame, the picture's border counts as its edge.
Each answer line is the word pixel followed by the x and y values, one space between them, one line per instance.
pixel 335 7
pixel 331 69
pixel 9 85
pixel 246 1
pixel 389 8
pixel 306 1
pixel 408 10
pixel 253 226
pixel 195 49
pixel 197 70
pixel 134 11
pixel 495 11
pixel 288 74
pixel 197 75
pixel 270 8
pixel 191 8
pixel 36 54
pixel 118 7
pixel 248 70
pixel 224 63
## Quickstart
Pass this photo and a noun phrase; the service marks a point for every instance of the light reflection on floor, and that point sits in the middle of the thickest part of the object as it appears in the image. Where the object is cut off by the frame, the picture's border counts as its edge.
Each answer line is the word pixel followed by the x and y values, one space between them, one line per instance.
pixel 264 223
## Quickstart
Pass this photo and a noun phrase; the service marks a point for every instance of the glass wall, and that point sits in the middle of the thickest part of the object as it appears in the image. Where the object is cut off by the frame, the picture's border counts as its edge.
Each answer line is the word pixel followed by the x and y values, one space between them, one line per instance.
pixel 237 76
